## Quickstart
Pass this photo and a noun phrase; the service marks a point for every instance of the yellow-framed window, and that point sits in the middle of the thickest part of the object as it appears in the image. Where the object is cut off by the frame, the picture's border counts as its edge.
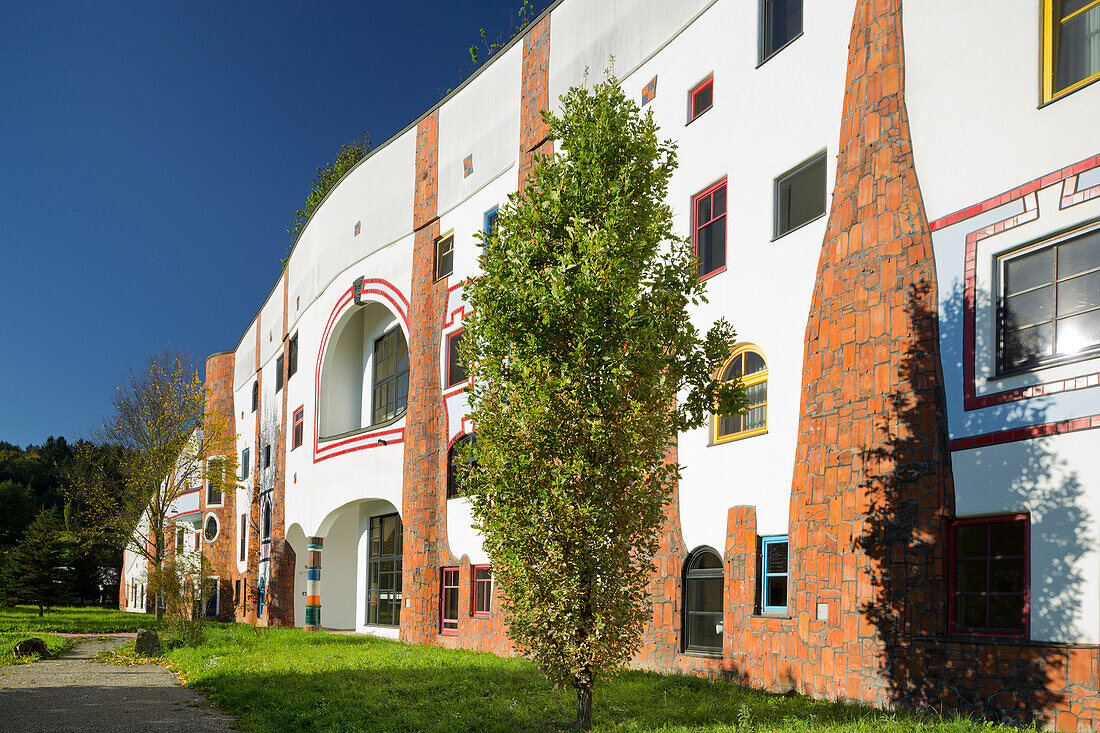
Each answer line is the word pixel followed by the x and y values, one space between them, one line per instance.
pixel 1071 46
pixel 748 363
pixel 444 255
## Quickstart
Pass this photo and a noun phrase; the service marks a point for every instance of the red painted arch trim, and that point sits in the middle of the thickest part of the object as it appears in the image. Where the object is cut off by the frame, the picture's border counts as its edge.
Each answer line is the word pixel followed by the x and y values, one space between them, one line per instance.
pixel 1026 433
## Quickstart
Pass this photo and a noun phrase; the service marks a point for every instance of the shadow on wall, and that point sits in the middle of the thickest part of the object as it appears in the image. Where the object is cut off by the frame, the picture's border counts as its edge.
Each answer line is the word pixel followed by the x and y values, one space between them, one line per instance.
pixel 906 540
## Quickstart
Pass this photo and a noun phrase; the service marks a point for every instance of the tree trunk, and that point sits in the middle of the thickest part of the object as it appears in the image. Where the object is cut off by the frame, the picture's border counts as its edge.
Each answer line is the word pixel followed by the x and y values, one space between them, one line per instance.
pixel 39 610
pixel 584 706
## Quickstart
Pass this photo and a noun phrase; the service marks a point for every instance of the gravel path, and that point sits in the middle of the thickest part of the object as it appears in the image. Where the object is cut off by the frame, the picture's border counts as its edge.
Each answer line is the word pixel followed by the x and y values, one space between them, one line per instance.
pixel 74 694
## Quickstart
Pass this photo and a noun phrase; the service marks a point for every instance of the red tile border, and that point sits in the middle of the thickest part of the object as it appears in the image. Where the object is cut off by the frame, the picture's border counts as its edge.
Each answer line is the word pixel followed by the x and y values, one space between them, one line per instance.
pixel 1026 433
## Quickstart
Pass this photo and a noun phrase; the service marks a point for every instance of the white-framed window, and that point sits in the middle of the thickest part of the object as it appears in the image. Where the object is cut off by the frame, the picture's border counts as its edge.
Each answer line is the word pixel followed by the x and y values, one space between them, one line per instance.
pixel 210 528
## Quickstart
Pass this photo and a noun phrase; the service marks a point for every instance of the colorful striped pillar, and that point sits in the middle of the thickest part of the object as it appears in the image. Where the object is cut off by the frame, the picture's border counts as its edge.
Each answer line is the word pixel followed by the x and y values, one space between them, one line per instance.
pixel 313 584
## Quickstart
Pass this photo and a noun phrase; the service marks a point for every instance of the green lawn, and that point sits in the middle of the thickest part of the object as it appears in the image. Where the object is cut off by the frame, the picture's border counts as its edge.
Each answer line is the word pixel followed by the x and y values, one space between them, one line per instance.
pixel 73 620
pixel 290 680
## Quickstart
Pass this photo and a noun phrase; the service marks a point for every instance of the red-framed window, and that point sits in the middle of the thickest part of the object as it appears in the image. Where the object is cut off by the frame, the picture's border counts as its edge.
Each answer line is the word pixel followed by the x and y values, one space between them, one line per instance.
pixel 448 602
pixel 482 592
pixel 708 229
pixel 989 575
pixel 456 370
pixel 299 426
pixel 702 98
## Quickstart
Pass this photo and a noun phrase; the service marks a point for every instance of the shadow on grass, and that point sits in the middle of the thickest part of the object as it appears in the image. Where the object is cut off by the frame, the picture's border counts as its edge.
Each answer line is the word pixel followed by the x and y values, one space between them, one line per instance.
pixel 328 682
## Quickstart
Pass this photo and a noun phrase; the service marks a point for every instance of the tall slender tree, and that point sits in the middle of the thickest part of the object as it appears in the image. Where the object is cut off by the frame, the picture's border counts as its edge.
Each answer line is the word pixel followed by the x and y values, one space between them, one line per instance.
pixel 584 365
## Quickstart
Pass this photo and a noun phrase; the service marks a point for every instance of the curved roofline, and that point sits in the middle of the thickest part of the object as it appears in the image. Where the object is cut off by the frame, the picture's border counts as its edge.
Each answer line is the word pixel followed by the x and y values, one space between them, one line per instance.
pixel 517 38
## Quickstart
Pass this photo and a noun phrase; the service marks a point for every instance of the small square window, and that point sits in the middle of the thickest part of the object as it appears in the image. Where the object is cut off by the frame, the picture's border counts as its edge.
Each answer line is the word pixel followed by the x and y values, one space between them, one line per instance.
pixel 292 357
pixel 299 426
pixel 456 370
pixel 702 99
pixel 245 461
pixel 278 374
pixel 773 575
pixel 780 23
pixel 989 576
pixel 800 195
pixel 709 229
pixel 482 591
pixel 444 256
pixel 448 608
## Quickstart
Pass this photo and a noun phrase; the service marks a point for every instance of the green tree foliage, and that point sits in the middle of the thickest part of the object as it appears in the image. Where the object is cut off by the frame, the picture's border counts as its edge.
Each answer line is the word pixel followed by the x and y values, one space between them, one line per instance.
pixel 327 177
pixel 40 569
pixel 158 444
pixel 584 365
pixel 483 51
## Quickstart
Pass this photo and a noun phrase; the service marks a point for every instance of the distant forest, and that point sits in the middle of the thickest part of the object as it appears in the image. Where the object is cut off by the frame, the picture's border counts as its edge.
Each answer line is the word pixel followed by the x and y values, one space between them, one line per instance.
pixel 37 514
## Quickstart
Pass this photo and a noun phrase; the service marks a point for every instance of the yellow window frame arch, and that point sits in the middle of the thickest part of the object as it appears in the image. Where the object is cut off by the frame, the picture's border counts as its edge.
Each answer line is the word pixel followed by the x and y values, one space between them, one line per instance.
pixel 748 380
pixel 1052 23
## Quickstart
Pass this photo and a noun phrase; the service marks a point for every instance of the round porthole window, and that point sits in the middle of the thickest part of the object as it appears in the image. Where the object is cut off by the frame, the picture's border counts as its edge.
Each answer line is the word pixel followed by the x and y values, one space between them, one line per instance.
pixel 210 531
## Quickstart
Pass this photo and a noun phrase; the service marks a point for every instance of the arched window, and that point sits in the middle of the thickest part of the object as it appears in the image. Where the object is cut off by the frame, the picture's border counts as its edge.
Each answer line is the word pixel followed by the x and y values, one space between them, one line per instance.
pixel 748 363
pixel 255 395
pixel 702 621
pixel 210 528
pixel 457 467
pixel 266 524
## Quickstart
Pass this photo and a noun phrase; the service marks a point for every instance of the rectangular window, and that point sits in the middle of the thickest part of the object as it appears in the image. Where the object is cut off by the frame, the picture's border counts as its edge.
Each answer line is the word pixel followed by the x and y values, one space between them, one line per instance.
pixel 1050 304
pixel 255 396
pixel 491 220
pixel 1071 45
pixel 244 537
pixel 179 539
pixel 773 575
pixel 702 99
pixel 278 374
pixel 292 357
pixel 215 481
pixel 391 376
pixel 448 602
pixel 236 592
pixel 299 426
pixel 245 463
pixel 989 571
pixel 444 256
pixel 800 195
pixel 384 571
pixel 709 229
pixel 482 590
pixel 780 23
pixel 456 370
pixel 267 456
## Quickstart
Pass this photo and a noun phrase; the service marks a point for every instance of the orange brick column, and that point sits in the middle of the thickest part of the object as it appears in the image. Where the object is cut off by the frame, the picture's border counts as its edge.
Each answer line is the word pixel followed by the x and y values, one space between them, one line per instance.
pixel 279 601
pixel 872 487
pixel 423 495
pixel 220 552
pixel 534 98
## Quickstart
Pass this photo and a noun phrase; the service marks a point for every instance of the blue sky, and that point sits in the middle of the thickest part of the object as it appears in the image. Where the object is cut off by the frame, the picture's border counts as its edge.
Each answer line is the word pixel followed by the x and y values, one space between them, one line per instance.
pixel 151 154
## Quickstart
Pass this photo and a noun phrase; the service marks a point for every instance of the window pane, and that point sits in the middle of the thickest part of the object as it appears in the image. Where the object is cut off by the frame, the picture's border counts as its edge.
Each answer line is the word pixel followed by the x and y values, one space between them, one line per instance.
pixel 972 540
pixel 1028 344
pixel 757 394
pixel 1078 294
pixel 388 527
pixel 1034 306
pixel 719 204
pixel 456 370
pixel 782 22
pixel 1029 271
pixel 702 99
pixel 756 418
pixel 1007 538
pixel 802 197
pixel 776 592
pixel 970 611
pixel 706 560
pixel 971 576
pixel 754 363
pixel 1078 333
pixel 702 210
pixel 1079 255
pixel 1007 576
pixel 729 425
pixel 1006 612
pixel 733 369
pixel 777 558
pixel 1078 49
pixel 702 631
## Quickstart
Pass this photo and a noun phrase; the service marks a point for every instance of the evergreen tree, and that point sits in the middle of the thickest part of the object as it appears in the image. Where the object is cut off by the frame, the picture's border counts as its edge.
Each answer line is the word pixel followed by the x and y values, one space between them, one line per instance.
pixel 39 570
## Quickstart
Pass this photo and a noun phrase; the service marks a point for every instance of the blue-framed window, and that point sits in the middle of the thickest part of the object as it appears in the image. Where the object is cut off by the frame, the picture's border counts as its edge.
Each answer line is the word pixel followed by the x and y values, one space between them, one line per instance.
pixel 773 575
pixel 491 219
